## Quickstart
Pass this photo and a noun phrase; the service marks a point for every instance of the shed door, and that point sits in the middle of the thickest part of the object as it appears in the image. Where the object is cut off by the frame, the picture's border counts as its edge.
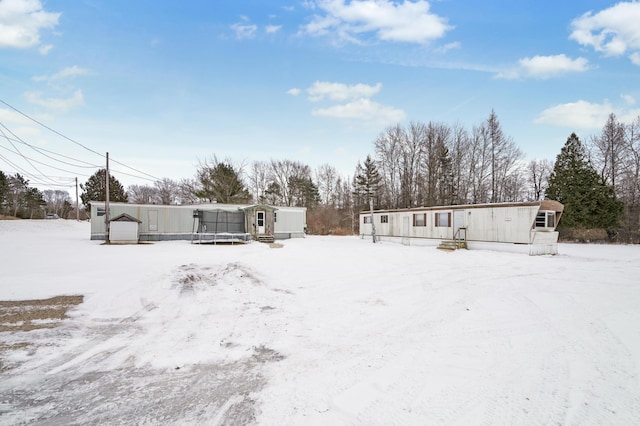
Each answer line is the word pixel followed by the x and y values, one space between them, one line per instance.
pixel 260 221
pixel 458 222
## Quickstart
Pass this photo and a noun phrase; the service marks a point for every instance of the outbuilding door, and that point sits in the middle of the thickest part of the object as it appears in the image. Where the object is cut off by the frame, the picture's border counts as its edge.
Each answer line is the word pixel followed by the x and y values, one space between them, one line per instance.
pixel 260 218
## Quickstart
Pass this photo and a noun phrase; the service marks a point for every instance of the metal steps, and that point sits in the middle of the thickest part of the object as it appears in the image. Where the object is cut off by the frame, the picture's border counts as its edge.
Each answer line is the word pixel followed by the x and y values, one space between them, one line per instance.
pixel 451 245
pixel 264 238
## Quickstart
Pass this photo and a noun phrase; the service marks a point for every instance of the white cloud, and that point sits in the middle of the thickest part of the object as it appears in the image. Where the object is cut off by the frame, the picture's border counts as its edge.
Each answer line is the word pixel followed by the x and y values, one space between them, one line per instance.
pixel 272 29
pixel 580 114
pixel 629 100
pixel 352 102
pixel 341 92
pixel 21 22
pixel 549 66
pixel 65 73
pixel 447 47
pixel 45 49
pixel 295 91
pixel 635 58
pixel 10 116
pixel 56 104
pixel 613 31
pixel 544 67
pixel 244 31
pixel 406 21
pixel 363 109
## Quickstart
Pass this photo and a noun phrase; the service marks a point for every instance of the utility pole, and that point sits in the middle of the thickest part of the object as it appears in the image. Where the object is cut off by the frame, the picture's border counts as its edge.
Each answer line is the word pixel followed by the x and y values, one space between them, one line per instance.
pixel 106 202
pixel 77 205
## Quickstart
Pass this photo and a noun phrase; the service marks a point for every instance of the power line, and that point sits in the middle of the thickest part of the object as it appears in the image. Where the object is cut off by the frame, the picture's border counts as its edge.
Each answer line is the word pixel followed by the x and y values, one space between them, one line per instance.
pixel 44 164
pixel 153 178
pixel 20 153
pixel 49 128
pixel 42 152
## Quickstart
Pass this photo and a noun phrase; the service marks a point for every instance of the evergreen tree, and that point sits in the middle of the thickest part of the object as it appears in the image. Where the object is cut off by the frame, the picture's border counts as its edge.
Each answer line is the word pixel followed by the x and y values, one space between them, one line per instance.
pixel 304 192
pixel 4 191
pixel 34 203
pixel 588 201
pixel 367 180
pixel 221 182
pixel 94 189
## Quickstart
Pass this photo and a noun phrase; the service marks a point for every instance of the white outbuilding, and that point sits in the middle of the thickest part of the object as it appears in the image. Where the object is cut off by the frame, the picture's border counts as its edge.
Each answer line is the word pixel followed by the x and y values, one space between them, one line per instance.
pixel 123 229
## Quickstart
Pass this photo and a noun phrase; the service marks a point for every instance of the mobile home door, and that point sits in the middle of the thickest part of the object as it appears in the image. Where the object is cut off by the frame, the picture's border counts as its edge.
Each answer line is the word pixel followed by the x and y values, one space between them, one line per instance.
pixel 260 218
pixel 458 222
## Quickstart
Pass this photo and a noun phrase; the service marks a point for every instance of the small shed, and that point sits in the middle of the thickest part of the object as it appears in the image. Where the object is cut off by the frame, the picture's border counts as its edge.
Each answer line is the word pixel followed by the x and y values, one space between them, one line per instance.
pixel 123 229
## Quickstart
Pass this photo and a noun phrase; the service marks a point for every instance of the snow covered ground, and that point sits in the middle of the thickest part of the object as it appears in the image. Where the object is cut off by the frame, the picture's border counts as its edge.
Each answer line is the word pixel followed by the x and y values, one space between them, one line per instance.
pixel 323 331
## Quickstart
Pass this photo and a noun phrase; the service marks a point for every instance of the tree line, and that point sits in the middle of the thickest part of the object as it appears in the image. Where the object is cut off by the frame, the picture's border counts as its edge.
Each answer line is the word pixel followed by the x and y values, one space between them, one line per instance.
pixel 19 199
pixel 420 164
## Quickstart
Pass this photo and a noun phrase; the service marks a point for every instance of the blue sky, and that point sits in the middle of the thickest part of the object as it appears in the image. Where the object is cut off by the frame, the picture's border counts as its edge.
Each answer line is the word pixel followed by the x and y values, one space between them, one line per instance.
pixel 162 85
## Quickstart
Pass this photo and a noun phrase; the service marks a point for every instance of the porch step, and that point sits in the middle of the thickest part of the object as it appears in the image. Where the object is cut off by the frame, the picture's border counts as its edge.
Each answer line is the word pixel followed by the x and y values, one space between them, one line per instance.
pixel 451 245
pixel 264 238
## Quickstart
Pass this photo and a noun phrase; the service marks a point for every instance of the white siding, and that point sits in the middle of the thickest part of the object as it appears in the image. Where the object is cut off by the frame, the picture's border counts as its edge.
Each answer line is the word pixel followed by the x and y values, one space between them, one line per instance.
pixel 495 223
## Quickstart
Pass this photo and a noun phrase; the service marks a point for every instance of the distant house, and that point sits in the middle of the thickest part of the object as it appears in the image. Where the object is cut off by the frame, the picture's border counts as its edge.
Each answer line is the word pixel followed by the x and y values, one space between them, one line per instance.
pixel 205 222
pixel 528 226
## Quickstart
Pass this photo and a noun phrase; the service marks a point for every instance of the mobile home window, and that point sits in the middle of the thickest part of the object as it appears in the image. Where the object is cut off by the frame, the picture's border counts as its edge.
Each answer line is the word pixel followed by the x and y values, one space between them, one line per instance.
pixel 551 219
pixel 443 219
pixel 384 218
pixel 419 219
pixel 275 217
pixel 367 219
pixel 545 219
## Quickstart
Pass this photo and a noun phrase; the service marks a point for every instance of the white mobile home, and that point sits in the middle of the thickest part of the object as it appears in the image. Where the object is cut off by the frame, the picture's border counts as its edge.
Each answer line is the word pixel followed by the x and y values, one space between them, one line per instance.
pixel 204 222
pixel 528 226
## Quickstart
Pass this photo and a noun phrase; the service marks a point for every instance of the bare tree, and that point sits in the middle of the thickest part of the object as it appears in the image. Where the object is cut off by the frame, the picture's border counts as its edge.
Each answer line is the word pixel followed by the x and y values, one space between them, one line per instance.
pixel 479 165
pixel 388 149
pixel 539 172
pixel 141 194
pixel 505 156
pixel 187 191
pixel 328 179
pixel 608 150
pixel 459 152
pixel 58 202
pixel 259 180
pixel 166 191
pixel 284 176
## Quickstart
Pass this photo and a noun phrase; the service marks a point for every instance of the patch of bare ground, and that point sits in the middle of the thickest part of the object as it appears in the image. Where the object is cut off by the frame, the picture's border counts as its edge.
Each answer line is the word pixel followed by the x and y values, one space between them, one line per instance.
pixel 27 315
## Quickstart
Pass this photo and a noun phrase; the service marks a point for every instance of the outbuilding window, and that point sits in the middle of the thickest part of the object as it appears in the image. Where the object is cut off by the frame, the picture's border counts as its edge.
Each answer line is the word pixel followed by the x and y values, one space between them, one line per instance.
pixel 384 218
pixel 367 219
pixel 419 219
pixel 443 220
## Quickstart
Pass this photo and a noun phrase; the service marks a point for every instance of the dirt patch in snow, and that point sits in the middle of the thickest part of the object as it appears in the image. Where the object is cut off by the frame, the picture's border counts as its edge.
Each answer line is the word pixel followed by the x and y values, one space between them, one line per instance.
pixel 27 315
